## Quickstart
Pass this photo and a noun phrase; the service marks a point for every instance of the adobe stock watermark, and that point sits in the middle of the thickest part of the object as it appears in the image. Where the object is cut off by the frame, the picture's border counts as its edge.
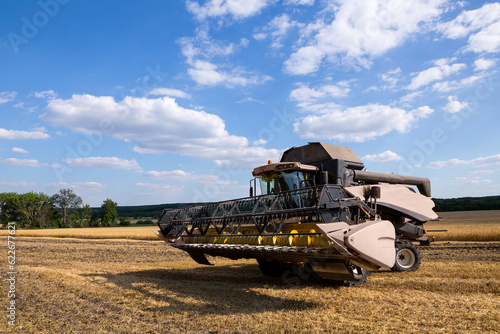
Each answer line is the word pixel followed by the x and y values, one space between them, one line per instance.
pixel 32 25
pixel 427 146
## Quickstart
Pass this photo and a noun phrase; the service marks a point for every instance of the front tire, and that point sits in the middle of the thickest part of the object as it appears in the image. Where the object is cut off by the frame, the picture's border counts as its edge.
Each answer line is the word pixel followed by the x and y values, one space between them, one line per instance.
pixel 408 257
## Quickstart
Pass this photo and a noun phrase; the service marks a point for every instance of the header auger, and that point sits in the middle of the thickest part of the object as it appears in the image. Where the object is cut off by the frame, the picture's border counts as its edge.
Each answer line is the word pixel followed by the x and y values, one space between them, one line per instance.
pixel 318 211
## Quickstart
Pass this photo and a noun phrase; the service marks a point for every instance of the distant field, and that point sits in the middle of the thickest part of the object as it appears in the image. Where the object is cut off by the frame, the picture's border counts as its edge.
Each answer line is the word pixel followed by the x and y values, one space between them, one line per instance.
pixel 460 226
pixel 467 226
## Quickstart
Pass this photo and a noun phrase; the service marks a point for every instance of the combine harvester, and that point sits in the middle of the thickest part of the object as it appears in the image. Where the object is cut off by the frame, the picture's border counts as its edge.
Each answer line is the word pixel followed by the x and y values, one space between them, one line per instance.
pixel 318 211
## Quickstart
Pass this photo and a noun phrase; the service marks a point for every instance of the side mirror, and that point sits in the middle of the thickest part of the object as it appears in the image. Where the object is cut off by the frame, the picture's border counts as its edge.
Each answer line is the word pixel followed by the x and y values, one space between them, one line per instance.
pixel 251 191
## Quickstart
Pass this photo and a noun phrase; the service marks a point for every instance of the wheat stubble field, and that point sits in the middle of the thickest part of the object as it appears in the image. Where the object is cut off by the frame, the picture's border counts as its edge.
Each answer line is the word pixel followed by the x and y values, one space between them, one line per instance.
pixel 73 284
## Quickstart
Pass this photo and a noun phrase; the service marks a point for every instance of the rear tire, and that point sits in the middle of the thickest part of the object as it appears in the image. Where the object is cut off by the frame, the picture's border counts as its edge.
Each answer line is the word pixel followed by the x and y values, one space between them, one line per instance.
pixel 408 257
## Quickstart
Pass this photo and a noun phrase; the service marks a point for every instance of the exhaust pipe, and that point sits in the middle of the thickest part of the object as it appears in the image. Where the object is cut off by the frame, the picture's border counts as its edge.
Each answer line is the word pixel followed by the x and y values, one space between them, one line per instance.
pixel 423 184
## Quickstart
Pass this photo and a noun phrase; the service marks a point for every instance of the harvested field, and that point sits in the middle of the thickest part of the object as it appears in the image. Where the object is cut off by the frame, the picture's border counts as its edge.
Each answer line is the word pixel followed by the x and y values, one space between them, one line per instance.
pixel 123 286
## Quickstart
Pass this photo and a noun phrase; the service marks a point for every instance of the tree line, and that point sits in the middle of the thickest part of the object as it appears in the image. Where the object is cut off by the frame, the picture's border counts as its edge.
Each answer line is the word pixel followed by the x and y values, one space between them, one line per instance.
pixel 64 209
pixel 467 204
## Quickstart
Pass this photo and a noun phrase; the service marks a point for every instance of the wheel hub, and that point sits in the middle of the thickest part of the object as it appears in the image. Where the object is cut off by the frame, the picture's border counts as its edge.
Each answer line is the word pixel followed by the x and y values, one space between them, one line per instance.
pixel 405 258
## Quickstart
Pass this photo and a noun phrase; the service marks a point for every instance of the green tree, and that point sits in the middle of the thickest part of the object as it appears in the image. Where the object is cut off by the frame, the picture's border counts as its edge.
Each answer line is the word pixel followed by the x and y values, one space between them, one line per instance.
pixel 66 200
pixel 8 208
pixel 109 213
pixel 124 221
pixel 35 209
pixel 85 215
pixel 94 218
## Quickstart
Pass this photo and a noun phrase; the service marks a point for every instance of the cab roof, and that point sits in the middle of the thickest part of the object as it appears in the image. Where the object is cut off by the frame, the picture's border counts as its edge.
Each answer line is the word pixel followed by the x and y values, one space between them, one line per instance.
pixel 283 166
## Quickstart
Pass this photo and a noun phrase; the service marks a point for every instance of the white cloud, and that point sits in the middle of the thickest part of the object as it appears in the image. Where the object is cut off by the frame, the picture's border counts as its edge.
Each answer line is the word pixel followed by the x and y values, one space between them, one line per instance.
pixel 482 25
pixel 382 157
pixel 471 180
pixel 487 40
pixel 249 99
pixel 7 96
pixel 206 73
pixel 304 94
pixel 306 60
pixel 410 97
pixel 79 186
pixel 25 107
pixel 163 91
pixel 46 95
pixel 438 72
pixel 259 142
pixel 455 106
pixel 157 125
pixel 482 172
pixel 299 2
pixel 237 9
pixel 482 64
pixel 478 162
pixel 19 150
pixel 103 163
pixel 202 45
pixel 19 134
pixel 260 36
pixel 389 80
pixel 277 29
pixel 361 30
pixel 358 124
pixel 448 86
pixel 23 162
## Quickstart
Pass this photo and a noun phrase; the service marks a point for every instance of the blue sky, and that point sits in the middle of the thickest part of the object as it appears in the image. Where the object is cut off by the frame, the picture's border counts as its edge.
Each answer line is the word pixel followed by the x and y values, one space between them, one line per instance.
pixel 177 101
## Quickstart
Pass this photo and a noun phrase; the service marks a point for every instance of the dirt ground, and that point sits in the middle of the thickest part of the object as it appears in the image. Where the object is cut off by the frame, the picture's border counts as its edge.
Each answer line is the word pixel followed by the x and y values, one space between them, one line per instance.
pixel 124 286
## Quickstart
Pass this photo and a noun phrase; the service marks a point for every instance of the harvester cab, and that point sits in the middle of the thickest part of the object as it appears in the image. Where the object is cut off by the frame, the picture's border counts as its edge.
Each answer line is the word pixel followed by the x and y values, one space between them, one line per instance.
pixel 317 210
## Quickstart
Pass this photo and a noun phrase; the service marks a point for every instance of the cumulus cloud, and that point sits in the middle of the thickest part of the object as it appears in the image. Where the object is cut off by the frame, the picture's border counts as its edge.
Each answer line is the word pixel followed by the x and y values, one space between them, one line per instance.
pixel 481 25
pixel 305 95
pixel 382 157
pixel 156 125
pixel 358 124
pixel 482 64
pixel 103 163
pixel 237 9
pixel 455 106
pixel 19 150
pixel 20 134
pixel 478 162
pixel 438 72
pixel 361 30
